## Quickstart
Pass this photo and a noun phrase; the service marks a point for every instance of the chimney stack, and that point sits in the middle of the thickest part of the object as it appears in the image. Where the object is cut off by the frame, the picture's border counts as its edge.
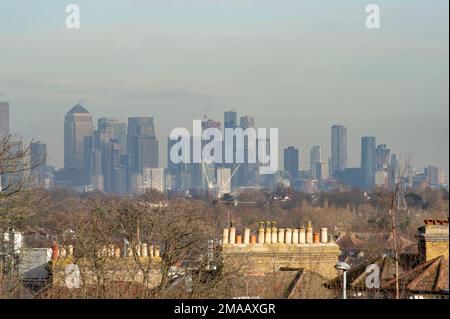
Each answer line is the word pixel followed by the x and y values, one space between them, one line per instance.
pixel 433 239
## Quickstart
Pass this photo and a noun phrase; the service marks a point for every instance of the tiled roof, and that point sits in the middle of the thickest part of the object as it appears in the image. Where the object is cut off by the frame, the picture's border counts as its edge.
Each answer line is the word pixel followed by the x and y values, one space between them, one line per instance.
pixel 349 241
pixel 430 277
pixel 295 284
pixel 356 276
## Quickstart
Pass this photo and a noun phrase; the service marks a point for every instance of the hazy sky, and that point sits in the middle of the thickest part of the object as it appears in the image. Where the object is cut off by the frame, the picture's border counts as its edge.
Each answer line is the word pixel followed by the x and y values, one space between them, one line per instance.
pixel 301 66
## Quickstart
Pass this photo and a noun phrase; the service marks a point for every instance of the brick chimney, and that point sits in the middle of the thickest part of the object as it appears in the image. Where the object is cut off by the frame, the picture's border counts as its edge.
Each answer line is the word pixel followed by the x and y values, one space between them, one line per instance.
pixel 433 239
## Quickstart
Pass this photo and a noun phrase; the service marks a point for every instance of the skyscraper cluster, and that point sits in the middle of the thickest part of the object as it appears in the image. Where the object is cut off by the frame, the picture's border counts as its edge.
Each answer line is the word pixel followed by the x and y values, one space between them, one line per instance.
pixel 217 176
pixel 117 157
pixel 121 156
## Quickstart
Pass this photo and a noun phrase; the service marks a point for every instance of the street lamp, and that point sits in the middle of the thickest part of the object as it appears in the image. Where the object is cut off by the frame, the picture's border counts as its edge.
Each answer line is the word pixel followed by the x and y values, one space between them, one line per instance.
pixel 344 267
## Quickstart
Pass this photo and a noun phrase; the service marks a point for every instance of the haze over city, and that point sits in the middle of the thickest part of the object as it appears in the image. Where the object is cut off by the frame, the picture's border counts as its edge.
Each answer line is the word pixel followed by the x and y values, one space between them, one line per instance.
pixel 298 66
pixel 214 158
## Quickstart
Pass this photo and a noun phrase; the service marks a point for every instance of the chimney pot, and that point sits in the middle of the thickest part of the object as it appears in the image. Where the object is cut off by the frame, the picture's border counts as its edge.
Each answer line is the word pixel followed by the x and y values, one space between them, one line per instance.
pixel 247 236
pixel 316 239
pixel 324 235
pixel 281 236
pixel 55 251
pixel 232 237
pixel 295 236
pixel 302 235
pixel 225 236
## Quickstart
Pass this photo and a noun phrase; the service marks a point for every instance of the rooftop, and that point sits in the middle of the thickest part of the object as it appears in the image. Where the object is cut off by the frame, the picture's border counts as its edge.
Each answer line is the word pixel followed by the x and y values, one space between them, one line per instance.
pixel 77 109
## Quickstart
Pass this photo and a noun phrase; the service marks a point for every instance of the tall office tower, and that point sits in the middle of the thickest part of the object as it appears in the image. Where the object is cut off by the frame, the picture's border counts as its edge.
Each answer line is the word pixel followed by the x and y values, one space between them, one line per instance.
pixel 368 165
pixel 382 157
pixel 247 121
pixel 172 168
pixel 4 118
pixel 434 176
pixel 96 176
pixel 77 126
pixel 246 173
pixel 182 172
pixel 142 145
pixel 315 160
pixel 38 163
pixel 115 129
pixel 110 153
pixel 230 119
pixel 393 171
pixel 339 158
pixel 291 160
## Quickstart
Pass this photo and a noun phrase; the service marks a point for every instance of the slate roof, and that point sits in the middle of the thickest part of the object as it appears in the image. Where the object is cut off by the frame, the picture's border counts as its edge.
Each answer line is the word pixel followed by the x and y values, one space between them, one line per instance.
pixel 428 277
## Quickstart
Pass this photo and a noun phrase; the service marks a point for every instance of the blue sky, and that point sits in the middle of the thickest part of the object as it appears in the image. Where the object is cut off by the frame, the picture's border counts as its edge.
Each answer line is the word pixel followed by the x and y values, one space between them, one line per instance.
pixel 300 66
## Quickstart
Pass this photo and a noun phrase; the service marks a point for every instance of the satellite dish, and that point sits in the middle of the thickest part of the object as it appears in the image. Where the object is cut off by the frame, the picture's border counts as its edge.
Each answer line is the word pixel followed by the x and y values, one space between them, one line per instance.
pixel 73 276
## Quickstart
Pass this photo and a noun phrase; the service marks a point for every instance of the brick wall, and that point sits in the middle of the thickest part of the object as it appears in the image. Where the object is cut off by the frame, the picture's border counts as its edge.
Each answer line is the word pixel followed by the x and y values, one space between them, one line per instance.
pixel 265 258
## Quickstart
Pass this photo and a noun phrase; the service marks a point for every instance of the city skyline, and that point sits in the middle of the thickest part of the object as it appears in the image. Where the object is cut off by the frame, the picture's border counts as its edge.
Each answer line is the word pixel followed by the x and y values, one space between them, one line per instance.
pixel 117 124
pixel 121 156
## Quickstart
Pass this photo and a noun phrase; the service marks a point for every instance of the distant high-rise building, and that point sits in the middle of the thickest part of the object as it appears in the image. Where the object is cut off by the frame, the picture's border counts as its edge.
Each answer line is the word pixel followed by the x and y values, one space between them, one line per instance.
pixel 209 123
pixel 223 180
pixel 291 161
pixel 154 178
pixel 322 170
pixel 247 121
pixel 435 176
pixel 382 157
pixel 381 179
pixel 339 160
pixel 115 129
pixel 77 126
pixel 246 172
pixel 111 169
pixel 4 118
pixel 230 119
pixel 368 165
pixel 315 160
pixel 142 145
pixel 38 163
pixel 393 171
